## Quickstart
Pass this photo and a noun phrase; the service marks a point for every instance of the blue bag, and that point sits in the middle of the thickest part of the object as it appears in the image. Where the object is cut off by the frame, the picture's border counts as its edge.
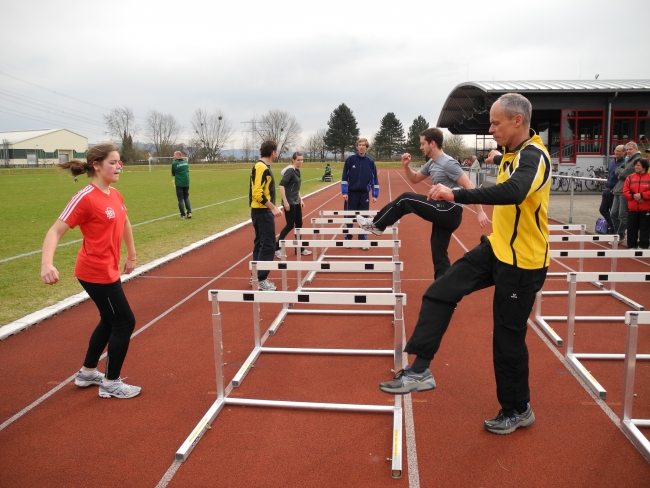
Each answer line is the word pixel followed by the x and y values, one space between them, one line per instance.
pixel 601 226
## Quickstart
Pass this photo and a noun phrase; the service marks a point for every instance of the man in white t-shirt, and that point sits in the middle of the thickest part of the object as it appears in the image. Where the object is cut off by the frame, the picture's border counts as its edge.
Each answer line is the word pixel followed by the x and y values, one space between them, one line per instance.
pixel 445 216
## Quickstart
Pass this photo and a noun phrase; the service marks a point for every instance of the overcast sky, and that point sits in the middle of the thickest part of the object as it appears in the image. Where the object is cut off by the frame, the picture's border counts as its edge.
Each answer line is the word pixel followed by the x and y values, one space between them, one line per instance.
pixel 246 57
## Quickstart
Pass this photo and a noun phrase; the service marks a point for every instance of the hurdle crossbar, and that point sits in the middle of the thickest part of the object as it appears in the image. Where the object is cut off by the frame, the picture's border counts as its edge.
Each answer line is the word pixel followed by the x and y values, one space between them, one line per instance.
pixel 348 213
pixel 574 358
pixel 397 300
pixel 630 425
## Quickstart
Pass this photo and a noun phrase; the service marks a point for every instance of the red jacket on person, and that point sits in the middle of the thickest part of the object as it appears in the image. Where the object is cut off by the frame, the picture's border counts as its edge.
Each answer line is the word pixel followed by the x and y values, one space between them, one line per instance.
pixel 637 183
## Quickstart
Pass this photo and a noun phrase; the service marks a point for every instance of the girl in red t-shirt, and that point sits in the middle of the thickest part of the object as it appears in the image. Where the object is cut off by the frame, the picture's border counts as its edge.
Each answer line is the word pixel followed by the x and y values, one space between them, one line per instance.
pixel 99 211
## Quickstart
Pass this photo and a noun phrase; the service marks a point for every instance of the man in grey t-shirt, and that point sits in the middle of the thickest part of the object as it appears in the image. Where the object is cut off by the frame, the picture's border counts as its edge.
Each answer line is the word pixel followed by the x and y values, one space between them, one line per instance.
pixel 445 216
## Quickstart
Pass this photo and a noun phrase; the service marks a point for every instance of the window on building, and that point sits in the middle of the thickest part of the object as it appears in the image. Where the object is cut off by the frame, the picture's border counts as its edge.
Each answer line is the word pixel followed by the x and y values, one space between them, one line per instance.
pixel 581 134
pixel 630 125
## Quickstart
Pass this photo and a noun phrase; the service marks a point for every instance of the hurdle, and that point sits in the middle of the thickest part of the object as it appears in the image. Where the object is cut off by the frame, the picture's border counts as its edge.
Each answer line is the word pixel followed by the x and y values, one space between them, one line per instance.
pixel 347 213
pixel 396 300
pixel 336 267
pixel 574 358
pixel 354 244
pixel 613 254
pixel 628 424
pixel 569 227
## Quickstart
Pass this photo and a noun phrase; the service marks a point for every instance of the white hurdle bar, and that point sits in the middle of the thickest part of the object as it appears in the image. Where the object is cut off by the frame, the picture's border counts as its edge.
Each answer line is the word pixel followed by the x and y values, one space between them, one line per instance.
pixel 574 358
pixel 397 300
pixel 628 424
pixel 347 213
pixel 354 244
pixel 335 267
pixel 613 254
pixel 582 228
pixel 321 232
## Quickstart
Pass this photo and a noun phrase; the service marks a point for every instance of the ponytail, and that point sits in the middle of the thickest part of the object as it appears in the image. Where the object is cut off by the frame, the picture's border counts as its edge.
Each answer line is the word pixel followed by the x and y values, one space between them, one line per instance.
pixel 96 154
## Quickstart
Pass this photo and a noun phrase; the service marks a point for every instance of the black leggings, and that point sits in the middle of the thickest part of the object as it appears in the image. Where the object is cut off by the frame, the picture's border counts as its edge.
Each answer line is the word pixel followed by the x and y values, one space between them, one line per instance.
pixel 115 326
pixel 294 219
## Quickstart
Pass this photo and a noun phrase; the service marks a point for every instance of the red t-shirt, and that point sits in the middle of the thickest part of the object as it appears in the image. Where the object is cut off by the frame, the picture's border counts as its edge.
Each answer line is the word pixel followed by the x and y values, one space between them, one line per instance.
pixel 101 219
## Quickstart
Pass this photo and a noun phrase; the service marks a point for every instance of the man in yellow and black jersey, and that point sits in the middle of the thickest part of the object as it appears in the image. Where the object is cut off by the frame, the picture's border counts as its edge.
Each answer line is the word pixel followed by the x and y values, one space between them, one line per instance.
pixel 261 198
pixel 514 259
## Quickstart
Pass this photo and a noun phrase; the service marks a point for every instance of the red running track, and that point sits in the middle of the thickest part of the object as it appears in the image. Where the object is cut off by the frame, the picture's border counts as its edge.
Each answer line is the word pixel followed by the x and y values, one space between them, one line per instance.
pixel 74 438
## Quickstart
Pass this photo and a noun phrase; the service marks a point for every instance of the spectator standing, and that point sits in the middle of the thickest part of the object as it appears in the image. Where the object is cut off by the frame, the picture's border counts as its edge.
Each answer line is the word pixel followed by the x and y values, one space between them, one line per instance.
pixel 619 206
pixel 181 174
pixel 608 193
pixel 637 192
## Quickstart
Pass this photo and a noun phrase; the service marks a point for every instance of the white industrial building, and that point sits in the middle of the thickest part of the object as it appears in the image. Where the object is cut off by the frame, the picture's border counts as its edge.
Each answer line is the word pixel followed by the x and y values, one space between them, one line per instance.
pixel 41 147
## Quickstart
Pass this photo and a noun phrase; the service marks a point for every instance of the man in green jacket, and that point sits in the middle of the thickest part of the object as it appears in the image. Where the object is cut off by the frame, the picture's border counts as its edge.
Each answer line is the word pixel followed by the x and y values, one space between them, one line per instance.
pixel 181 174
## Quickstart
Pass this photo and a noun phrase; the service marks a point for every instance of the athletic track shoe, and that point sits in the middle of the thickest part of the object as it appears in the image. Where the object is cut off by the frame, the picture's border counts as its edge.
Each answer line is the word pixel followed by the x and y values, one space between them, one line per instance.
pixel 279 255
pixel 369 225
pixel 189 215
pixel 118 389
pixel 506 425
pixel 182 216
pixel 305 252
pixel 406 380
pixel 88 378
pixel 266 285
pixel 365 249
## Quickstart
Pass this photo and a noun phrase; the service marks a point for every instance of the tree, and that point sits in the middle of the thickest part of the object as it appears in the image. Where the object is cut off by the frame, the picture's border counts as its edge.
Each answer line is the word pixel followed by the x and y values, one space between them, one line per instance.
pixel 315 146
pixel 214 131
pixel 193 150
pixel 248 148
pixel 342 131
pixel 390 138
pixel 121 126
pixel 163 131
pixel 412 145
pixel 282 128
pixel 454 145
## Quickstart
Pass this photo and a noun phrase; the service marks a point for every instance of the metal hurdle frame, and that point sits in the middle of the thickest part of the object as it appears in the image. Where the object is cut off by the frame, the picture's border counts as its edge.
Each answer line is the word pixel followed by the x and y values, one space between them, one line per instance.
pixel 628 424
pixel 335 267
pixel 569 227
pixel 613 254
pixel 574 358
pixel 355 244
pixel 397 300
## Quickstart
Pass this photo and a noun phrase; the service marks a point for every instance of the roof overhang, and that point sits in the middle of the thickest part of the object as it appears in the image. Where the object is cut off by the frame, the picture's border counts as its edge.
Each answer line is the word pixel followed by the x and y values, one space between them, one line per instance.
pixel 466 110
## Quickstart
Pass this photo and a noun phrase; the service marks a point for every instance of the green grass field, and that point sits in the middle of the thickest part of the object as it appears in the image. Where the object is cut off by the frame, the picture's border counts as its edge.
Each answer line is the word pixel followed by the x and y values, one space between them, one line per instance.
pixel 31 201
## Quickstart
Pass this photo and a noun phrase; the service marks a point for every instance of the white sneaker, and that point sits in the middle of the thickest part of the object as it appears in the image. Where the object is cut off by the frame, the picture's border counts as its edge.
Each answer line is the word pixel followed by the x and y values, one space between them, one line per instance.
pixel 266 285
pixel 279 255
pixel 88 378
pixel 305 252
pixel 118 389
pixel 368 224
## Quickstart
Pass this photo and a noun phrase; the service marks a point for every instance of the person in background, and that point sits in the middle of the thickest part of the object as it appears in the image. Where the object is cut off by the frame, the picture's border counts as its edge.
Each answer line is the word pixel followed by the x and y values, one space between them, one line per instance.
pixel 637 192
pixel 619 206
pixel 328 172
pixel 99 211
pixel 261 199
pixel 607 199
pixel 358 180
pixel 291 200
pixel 181 174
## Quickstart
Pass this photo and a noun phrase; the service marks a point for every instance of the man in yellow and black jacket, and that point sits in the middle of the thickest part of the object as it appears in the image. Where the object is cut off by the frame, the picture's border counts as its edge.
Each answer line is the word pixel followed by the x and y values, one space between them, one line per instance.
pixel 514 259
pixel 261 198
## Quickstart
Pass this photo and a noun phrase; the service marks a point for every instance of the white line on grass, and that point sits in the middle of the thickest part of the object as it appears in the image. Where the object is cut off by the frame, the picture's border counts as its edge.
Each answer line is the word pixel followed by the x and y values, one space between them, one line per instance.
pixel 11 258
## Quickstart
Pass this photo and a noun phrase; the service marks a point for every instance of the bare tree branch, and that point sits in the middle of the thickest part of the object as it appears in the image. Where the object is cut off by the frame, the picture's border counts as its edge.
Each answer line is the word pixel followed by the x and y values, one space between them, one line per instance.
pixel 213 130
pixel 162 131
pixel 281 127
pixel 120 123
